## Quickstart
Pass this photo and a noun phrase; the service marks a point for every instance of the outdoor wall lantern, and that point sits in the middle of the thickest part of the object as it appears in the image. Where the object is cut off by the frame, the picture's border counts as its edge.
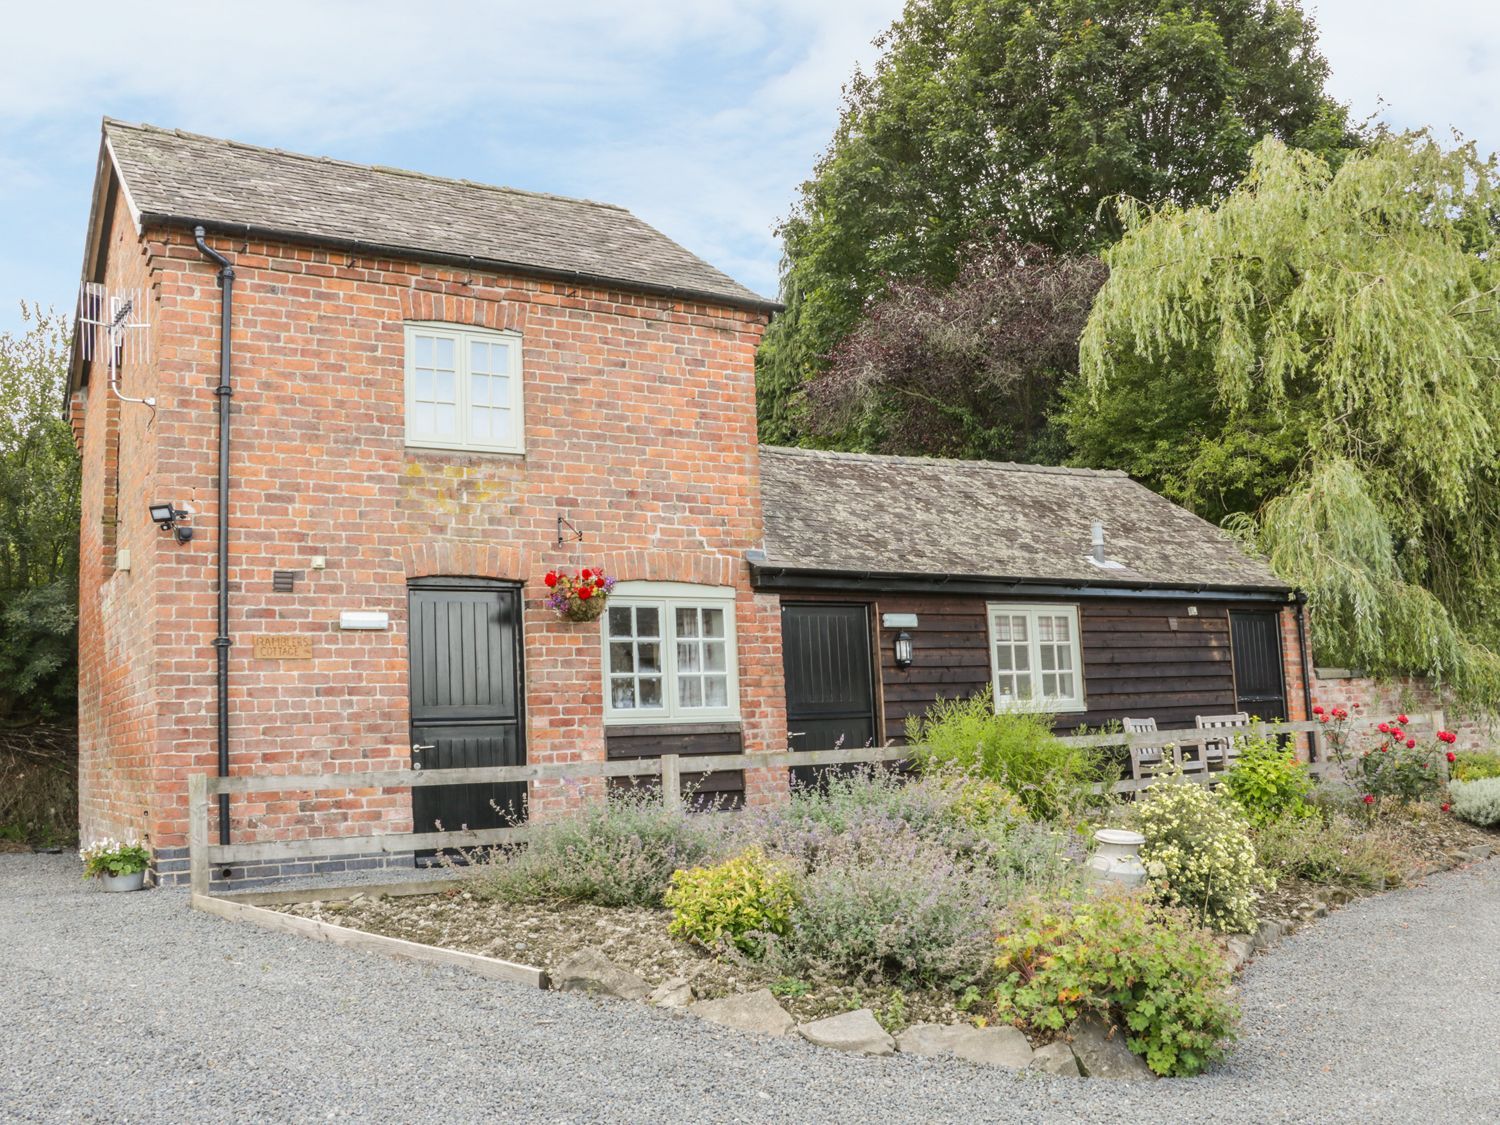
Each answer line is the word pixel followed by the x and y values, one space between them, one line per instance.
pixel 166 515
pixel 903 650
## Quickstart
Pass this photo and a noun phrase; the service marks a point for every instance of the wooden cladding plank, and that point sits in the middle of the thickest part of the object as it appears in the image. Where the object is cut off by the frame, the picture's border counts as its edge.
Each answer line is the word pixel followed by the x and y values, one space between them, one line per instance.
pixel 624 744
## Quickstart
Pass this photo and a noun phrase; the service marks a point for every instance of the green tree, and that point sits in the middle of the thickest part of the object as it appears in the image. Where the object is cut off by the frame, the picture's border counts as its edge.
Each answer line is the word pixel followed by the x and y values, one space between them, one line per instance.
pixel 1322 351
pixel 39 482
pixel 1018 119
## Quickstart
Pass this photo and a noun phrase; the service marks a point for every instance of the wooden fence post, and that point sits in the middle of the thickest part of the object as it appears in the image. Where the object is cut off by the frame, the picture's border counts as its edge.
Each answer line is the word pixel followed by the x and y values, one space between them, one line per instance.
pixel 671 782
pixel 198 833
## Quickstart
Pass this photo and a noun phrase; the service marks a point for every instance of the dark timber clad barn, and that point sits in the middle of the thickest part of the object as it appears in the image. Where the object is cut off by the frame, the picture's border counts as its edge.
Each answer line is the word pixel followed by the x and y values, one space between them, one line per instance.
pixel 993 574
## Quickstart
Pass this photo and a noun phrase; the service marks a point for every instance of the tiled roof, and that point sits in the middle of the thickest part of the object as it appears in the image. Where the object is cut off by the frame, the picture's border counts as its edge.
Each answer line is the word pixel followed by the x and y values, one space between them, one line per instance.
pixel 176 177
pixel 860 514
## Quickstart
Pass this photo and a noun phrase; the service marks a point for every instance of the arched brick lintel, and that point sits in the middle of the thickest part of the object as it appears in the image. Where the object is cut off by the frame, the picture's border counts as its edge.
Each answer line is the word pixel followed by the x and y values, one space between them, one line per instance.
pixel 450 308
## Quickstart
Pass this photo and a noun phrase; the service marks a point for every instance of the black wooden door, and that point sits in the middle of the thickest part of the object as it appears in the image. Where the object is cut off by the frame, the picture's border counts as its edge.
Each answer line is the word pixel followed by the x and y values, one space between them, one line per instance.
pixel 466 707
pixel 1258 686
pixel 830 692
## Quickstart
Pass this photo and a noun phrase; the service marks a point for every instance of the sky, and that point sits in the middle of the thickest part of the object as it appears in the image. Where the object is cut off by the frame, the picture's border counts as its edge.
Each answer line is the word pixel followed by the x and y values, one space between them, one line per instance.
pixel 701 116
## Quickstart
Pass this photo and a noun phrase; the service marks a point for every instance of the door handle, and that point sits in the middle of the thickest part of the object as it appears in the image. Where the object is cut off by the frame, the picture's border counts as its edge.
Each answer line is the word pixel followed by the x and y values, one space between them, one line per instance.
pixel 417 748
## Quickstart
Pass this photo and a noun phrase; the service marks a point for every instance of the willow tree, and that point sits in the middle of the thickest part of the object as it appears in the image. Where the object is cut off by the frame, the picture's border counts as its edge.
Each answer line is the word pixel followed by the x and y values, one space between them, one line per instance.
pixel 1357 311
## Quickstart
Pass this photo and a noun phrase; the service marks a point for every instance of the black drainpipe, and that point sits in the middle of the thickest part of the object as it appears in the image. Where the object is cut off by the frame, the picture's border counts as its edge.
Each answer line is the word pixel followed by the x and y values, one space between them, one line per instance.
pixel 223 391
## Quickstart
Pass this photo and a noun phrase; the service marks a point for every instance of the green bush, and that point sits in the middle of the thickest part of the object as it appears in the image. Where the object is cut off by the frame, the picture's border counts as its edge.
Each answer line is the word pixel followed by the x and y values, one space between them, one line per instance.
pixel 1198 853
pixel 976 822
pixel 1475 765
pixel 1015 749
pixel 1332 850
pixel 1478 802
pixel 1121 957
pixel 895 908
pixel 618 852
pixel 741 900
pixel 1267 781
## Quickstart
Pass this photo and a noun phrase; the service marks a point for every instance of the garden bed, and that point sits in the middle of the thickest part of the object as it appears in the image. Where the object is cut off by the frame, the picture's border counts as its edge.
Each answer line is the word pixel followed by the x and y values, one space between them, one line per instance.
pixel 634 938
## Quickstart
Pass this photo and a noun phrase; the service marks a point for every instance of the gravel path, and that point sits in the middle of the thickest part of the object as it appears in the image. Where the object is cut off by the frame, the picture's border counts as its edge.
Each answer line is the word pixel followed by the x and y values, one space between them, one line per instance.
pixel 134 1008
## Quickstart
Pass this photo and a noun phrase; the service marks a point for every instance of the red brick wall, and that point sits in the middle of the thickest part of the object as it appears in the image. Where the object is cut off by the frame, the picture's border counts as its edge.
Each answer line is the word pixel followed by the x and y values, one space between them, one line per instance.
pixel 640 428
pixel 1382 699
pixel 117 667
pixel 1295 660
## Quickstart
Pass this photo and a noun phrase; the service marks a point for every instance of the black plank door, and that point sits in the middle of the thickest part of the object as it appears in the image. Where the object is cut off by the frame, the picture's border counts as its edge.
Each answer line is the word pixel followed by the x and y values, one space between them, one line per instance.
pixel 1255 640
pixel 830 692
pixel 466 699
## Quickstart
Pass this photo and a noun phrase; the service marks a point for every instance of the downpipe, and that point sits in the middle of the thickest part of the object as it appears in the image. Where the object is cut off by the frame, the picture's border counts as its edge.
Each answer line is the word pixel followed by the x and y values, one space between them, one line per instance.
pixel 223 392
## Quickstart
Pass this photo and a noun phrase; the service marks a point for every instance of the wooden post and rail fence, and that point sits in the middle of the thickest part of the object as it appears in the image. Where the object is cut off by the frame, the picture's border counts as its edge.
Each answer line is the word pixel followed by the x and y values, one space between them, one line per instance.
pixel 668 769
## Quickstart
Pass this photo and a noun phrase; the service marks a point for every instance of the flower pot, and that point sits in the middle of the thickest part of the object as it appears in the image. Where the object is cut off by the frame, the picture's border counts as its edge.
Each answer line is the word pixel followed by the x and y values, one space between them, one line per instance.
pixel 1117 857
pixel 590 609
pixel 132 882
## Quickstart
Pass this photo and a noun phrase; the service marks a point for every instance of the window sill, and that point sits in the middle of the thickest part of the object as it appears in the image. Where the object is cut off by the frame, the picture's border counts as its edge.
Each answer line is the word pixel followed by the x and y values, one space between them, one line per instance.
pixel 478 451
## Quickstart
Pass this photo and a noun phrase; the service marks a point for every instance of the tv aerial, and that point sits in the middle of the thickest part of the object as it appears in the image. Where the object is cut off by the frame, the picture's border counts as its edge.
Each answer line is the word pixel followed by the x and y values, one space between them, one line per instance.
pixel 115 324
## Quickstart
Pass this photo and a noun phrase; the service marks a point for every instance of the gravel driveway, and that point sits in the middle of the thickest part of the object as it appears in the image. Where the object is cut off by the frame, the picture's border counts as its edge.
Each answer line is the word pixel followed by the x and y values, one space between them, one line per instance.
pixel 134 1008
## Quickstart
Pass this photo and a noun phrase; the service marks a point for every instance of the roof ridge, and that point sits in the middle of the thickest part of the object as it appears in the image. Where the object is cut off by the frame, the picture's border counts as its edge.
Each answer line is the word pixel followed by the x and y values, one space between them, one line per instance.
pixel 385 169
pixel 905 459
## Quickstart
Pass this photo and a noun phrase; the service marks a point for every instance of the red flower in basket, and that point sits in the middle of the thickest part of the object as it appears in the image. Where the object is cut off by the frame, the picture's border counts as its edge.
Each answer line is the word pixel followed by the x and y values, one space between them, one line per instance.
pixel 578 597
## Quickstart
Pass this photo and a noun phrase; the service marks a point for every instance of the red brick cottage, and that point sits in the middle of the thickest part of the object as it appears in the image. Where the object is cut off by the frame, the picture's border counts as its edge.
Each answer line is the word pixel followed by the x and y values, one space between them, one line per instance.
pixel 436 391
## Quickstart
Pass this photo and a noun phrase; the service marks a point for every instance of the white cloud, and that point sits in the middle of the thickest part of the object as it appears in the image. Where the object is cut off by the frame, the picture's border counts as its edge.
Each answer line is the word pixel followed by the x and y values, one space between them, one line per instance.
pixel 1435 63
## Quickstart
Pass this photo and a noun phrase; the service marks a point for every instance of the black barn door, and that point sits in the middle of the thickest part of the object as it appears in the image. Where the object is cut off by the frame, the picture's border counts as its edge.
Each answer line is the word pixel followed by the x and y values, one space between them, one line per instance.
pixel 1258 686
pixel 830 693
pixel 466 699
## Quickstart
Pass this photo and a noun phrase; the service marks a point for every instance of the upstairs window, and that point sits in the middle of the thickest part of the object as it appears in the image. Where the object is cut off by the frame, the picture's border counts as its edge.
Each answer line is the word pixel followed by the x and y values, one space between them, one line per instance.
pixel 669 653
pixel 1035 658
pixel 463 388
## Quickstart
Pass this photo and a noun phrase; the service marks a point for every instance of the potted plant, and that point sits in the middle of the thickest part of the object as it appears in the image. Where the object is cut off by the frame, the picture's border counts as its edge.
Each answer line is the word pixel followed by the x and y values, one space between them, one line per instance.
pixel 120 865
pixel 580 596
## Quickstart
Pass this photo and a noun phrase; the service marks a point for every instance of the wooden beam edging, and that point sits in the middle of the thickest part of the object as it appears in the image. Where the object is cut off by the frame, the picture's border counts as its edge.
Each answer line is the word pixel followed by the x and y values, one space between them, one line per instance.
pixel 403 889
pixel 399 948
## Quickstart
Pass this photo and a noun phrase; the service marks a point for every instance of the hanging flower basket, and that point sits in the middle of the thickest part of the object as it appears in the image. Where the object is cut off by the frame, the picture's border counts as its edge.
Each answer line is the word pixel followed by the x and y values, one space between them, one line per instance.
pixel 578 597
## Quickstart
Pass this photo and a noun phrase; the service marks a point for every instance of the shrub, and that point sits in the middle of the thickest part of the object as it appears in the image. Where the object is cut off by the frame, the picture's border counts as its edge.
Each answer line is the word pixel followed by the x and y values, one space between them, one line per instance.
pixel 1198 853
pixel 618 852
pixel 1267 781
pixel 1333 850
pixel 1478 802
pixel 740 900
pixel 903 910
pixel 976 822
pixel 1396 766
pixel 1475 765
pixel 1119 956
pixel 1016 749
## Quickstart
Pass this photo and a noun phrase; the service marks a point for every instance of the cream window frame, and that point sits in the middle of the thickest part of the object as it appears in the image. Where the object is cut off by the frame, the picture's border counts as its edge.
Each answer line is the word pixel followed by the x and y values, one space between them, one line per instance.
pixel 462 338
pixel 667 598
pixel 1033 612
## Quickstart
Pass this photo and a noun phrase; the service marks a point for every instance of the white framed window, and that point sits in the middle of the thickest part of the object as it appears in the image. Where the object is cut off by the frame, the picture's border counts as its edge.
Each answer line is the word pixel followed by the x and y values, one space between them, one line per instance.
pixel 669 653
pixel 1035 657
pixel 463 388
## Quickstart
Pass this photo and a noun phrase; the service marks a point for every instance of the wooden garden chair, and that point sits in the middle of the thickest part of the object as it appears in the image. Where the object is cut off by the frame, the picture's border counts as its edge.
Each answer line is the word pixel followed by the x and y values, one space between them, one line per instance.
pixel 1225 749
pixel 1144 760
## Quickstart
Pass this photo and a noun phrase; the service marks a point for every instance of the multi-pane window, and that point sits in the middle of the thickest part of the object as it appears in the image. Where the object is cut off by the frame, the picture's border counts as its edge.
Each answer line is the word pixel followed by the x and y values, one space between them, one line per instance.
pixel 463 388
pixel 669 658
pixel 1035 657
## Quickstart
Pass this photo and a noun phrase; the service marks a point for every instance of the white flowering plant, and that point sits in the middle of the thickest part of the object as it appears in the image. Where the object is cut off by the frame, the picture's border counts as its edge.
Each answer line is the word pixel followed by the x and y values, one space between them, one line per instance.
pixel 114 857
pixel 1198 853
